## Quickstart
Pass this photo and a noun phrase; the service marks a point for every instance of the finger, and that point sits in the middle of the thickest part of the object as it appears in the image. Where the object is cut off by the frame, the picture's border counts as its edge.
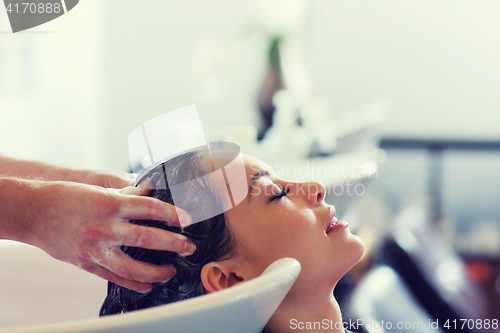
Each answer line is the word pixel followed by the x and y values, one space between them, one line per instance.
pixel 146 183
pixel 110 276
pixel 131 178
pixel 119 180
pixel 152 209
pixel 152 238
pixel 131 190
pixel 124 266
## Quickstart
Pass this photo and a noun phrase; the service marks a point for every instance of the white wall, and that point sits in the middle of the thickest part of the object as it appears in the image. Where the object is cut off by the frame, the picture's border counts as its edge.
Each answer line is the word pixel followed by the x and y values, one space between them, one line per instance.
pixel 435 61
pixel 163 55
pixel 50 90
pixel 72 98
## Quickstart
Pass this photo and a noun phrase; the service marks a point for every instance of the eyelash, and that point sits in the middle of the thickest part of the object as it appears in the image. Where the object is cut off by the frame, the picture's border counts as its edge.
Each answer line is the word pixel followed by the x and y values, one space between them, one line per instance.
pixel 280 195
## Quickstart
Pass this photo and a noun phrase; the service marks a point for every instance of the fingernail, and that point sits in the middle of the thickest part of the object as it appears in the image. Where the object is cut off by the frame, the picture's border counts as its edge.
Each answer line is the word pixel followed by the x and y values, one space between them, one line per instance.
pixel 184 218
pixel 170 276
pixel 188 249
pixel 145 183
pixel 146 291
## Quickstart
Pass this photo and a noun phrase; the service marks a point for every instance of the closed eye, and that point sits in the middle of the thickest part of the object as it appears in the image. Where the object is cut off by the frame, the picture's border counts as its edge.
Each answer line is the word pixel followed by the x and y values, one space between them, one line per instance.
pixel 280 194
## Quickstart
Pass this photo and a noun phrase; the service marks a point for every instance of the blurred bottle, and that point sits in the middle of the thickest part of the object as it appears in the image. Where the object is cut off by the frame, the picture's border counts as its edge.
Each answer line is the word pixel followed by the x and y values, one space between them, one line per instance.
pixel 273 81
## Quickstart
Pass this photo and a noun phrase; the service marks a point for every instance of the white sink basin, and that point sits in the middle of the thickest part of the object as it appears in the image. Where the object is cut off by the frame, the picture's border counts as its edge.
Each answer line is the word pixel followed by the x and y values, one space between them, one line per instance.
pixel 244 308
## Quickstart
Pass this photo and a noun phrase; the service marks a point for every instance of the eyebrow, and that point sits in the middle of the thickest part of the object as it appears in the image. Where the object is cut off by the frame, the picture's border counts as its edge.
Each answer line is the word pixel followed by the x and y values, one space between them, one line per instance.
pixel 258 174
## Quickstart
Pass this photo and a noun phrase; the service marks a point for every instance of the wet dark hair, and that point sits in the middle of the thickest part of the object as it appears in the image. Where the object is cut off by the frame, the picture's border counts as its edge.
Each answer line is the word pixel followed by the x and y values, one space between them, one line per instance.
pixel 213 239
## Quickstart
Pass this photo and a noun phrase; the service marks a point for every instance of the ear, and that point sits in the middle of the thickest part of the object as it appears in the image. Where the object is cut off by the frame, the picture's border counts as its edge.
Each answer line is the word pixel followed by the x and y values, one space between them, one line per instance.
pixel 216 276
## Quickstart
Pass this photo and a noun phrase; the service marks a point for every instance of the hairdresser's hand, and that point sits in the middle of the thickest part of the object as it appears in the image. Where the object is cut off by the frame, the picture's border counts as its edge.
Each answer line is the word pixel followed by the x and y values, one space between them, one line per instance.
pixel 86 225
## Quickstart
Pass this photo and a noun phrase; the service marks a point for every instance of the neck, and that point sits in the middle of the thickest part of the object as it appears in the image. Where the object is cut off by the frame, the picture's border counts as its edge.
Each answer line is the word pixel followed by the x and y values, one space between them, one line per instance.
pixel 315 313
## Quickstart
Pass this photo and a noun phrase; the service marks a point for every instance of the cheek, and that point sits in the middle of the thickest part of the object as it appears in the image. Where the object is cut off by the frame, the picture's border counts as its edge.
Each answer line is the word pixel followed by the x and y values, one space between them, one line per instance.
pixel 267 242
pixel 287 237
pixel 281 232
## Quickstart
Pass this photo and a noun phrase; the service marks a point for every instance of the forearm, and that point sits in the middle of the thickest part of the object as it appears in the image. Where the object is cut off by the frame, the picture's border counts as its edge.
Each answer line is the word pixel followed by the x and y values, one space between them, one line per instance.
pixel 10 167
pixel 18 202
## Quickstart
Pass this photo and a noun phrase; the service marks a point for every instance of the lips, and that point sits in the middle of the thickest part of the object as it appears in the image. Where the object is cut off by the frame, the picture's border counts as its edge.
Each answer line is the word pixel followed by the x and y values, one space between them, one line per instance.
pixel 334 223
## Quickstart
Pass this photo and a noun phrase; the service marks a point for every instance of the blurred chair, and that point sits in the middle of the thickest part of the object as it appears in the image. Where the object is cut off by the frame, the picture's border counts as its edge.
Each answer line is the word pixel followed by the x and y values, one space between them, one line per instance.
pixel 432 270
pixel 244 308
pixel 384 303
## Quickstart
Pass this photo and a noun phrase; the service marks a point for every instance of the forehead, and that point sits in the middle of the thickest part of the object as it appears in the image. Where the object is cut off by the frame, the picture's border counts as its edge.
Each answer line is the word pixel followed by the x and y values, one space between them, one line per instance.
pixel 250 164
pixel 232 176
pixel 254 165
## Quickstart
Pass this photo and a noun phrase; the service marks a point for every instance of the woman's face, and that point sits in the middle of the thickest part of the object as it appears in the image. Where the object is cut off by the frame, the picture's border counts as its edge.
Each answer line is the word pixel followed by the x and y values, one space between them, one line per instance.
pixel 268 226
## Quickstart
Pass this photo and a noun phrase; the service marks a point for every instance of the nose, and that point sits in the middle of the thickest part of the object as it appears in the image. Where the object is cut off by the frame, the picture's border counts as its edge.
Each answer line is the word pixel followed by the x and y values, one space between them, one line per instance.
pixel 315 192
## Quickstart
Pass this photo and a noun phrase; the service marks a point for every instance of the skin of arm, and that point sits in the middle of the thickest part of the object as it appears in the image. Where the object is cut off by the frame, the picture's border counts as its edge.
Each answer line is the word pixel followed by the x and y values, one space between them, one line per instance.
pixel 85 225
pixel 10 167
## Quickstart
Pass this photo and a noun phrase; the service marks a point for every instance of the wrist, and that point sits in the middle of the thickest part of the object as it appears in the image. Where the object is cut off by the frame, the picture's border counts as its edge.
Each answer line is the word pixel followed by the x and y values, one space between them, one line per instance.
pixel 19 199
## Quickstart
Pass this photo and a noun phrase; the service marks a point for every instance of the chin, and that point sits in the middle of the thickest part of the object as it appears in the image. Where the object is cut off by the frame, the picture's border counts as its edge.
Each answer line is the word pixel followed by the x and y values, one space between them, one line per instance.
pixel 352 252
pixel 358 248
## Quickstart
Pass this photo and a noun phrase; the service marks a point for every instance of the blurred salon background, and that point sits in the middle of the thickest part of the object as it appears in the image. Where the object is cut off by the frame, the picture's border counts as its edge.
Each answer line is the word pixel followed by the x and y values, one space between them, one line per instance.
pixel 401 97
